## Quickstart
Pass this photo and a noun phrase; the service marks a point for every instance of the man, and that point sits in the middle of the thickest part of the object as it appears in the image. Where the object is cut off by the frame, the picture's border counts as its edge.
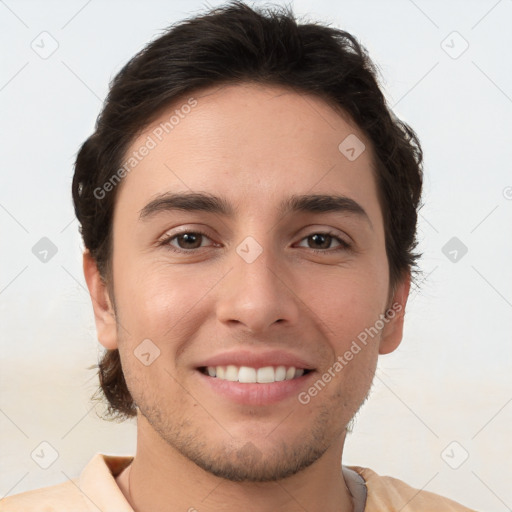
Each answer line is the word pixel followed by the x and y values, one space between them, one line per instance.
pixel 248 206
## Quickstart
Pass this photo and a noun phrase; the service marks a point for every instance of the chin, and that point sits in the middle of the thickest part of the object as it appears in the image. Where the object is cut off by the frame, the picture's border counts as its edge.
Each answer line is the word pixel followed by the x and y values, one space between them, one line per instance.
pixel 249 464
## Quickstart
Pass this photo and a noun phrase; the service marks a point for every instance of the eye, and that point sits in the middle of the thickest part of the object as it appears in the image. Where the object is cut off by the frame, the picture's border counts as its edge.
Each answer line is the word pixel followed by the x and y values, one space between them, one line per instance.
pixel 321 242
pixel 186 241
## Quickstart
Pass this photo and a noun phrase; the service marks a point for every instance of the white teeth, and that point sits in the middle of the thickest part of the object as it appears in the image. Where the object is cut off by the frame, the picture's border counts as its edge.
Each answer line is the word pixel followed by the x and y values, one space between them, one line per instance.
pixel 299 372
pixel 231 373
pixel 246 374
pixel 265 375
pixel 280 373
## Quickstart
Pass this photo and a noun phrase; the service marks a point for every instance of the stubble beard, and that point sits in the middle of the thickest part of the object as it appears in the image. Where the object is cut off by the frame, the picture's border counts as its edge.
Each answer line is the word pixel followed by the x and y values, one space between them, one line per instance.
pixel 240 460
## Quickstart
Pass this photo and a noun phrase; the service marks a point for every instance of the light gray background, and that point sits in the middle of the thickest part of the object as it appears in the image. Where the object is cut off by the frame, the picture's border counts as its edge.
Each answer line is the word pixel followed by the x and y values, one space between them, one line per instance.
pixel 449 380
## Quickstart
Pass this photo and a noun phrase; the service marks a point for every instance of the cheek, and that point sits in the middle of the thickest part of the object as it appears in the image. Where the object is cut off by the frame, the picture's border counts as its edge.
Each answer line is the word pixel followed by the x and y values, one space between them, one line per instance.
pixel 154 388
pixel 163 304
pixel 347 302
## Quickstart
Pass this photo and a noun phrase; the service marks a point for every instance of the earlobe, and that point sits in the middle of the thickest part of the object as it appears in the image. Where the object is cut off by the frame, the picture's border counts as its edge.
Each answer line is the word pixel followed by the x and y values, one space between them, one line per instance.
pixel 104 315
pixel 394 323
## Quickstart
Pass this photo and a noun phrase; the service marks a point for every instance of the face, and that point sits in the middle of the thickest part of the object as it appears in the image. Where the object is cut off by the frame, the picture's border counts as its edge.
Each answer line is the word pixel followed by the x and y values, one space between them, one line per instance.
pixel 234 258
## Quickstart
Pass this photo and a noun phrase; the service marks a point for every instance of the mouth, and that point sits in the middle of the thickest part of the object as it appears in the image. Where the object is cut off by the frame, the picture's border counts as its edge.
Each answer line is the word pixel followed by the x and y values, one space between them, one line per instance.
pixel 253 378
pixel 252 386
pixel 251 375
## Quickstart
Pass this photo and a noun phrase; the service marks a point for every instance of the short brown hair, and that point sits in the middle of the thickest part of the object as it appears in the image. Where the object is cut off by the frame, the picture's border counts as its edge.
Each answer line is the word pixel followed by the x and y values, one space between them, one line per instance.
pixel 236 44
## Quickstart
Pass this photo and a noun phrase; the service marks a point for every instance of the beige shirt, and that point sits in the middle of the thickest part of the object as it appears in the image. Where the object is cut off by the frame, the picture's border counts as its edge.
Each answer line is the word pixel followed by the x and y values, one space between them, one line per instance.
pixel 96 490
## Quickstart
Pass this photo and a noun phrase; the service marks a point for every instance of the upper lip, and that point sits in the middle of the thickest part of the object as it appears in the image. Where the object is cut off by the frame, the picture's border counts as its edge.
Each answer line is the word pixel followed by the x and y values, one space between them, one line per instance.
pixel 257 359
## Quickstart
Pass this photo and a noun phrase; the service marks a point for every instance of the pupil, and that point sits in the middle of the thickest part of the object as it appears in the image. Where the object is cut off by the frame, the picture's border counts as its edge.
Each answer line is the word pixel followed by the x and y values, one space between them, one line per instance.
pixel 323 240
pixel 189 238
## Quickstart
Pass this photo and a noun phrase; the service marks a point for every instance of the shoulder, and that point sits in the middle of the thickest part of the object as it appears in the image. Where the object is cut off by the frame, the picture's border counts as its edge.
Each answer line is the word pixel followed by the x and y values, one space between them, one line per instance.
pixel 47 499
pixel 388 493
pixel 95 489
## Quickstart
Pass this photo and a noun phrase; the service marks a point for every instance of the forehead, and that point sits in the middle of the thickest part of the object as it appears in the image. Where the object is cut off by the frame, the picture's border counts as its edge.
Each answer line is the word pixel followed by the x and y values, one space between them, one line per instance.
pixel 256 143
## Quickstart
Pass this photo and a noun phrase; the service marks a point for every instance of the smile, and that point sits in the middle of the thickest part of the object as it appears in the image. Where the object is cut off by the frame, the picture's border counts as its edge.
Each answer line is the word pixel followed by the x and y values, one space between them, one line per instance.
pixel 250 375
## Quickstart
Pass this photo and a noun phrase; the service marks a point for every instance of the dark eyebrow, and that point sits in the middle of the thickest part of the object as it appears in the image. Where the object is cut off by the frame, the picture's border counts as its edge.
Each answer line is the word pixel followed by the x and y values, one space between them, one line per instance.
pixel 190 201
pixel 200 201
pixel 323 203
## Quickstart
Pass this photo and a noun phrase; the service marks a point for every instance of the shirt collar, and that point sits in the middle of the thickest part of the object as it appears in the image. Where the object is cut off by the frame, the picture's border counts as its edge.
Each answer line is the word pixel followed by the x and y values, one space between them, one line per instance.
pixel 97 483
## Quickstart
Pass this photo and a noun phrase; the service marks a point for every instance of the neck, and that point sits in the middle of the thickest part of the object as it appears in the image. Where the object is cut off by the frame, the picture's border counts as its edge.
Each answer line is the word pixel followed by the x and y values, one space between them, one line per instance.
pixel 161 479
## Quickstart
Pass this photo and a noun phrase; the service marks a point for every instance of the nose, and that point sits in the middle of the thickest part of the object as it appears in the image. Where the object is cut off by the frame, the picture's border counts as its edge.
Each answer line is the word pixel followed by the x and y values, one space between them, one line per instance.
pixel 257 294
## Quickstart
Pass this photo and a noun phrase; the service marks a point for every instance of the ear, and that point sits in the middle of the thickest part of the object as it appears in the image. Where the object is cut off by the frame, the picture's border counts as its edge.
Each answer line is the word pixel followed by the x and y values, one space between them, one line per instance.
pixel 104 314
pixel 394 323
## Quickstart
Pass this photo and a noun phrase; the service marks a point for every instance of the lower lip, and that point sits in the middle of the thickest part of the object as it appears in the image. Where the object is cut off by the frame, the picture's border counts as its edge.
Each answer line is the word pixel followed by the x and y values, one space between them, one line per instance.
pixel 257 394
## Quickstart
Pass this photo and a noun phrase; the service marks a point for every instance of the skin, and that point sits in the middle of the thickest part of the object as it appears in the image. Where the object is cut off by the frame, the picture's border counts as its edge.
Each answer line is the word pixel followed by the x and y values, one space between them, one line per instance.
pixel 255 145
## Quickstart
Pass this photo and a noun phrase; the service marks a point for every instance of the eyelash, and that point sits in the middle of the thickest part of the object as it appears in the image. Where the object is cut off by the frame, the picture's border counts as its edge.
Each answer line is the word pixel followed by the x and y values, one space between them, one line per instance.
pixel 343 244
